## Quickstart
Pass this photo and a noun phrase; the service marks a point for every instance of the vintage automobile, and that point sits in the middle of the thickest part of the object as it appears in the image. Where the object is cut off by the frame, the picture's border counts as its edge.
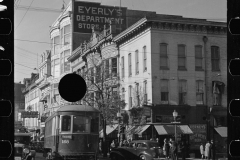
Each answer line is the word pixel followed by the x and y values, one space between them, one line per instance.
pixel 137 150
pixel 22 152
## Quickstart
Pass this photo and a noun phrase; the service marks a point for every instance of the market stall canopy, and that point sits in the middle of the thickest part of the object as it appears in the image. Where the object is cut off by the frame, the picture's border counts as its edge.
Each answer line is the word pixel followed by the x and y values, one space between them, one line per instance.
pixel 222 131
pixel 170 129
pixel 109 129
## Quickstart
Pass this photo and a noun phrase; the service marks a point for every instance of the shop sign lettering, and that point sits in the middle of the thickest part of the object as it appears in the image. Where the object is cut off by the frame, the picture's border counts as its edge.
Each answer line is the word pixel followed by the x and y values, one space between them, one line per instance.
pixel 199 135
pixel 88 15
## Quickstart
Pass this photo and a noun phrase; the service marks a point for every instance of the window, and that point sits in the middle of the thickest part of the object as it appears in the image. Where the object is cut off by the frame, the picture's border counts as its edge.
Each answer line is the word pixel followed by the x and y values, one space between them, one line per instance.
pixel 218 89
pixel 55 93
pixel 66 123
pixel 198 57
pixel 81 124
pixel 55 46
pixel 122 65
pixel 215 57
pixel 181 57
pixel 199 92
pixel 164 91
pixel 55 68
pixel 137 95
pixel 163 56
pixel 145 91
pixel 95 124
pixel 65 64
pixel 130 96
pixel 182 89
pixel 137 61
pixel 129 65
pixel 114 67
pixel 107 68
pixel 65 35
pixel 144 59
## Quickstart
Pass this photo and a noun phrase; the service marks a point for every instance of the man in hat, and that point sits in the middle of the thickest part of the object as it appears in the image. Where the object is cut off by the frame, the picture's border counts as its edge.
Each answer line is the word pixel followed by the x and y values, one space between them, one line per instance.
pixel 212 150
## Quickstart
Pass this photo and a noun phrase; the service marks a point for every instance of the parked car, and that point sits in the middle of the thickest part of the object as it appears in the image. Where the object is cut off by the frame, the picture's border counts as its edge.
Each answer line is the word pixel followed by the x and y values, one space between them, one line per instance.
pixel 137 149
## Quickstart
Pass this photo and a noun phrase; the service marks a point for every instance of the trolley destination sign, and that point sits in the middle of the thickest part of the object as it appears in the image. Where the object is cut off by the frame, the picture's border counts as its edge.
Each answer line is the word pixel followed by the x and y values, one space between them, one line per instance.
pixel 89 15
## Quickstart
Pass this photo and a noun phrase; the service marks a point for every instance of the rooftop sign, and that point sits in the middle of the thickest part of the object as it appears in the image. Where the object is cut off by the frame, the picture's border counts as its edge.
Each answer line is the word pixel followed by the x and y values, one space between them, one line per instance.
pixel 87 15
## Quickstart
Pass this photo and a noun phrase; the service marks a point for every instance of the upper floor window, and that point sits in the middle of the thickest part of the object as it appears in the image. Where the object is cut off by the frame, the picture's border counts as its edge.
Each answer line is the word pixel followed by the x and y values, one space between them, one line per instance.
pixel 130 96
pixel 181 57
pixel 199 92
pixel 145 91
pixel 215 57
pixel 122 66
pixel 164 91
pixel 55 67
pixel 163 56
pixel 129 65
pixel 137 95
pixel 144 59
pixel 56 45
pixel 98 74
pixel 182 90
pixel 218 89
pixel 198 58
pixel 137 61
pixel 65 64
pixel 55 94
pixel 123 94
pixel 65 35
pixel 114 67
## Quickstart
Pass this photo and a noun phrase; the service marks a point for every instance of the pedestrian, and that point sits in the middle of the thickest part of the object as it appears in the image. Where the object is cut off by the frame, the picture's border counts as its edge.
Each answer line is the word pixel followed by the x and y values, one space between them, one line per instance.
pixel 174 151
pixel 202 150
pixel 170 147
pixel 207 151
pixel 212 150
pixel 166 148
pixel 113 145
pixel 100 147
pixel 182 149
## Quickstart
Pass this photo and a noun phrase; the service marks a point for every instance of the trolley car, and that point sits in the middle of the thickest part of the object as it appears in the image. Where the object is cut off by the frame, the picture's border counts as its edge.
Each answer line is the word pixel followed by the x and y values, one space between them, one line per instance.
pixel 72 132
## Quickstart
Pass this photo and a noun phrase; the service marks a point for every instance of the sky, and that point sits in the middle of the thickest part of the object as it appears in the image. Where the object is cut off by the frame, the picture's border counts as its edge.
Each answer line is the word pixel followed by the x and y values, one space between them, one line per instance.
pixel 31 26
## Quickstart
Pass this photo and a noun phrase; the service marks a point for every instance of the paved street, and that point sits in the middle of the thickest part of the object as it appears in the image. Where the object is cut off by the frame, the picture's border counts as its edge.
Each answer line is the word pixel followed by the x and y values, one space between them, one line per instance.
pixel 39 156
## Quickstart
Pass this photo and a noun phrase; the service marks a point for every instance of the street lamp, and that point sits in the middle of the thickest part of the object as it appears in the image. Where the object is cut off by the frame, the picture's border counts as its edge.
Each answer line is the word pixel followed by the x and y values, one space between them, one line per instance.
pixel 175 114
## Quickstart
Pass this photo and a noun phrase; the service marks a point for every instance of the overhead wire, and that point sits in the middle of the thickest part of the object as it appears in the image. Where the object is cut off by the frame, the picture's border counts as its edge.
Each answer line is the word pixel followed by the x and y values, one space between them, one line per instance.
pixel 23 65
pixel 24 15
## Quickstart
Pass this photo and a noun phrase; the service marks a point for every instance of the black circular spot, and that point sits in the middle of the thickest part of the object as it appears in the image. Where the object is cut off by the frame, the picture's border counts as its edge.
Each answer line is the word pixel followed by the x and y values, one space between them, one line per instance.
pixel 72 87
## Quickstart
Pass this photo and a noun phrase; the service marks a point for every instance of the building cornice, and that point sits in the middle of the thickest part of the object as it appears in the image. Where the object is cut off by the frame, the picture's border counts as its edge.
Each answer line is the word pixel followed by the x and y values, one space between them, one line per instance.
pixel 178 25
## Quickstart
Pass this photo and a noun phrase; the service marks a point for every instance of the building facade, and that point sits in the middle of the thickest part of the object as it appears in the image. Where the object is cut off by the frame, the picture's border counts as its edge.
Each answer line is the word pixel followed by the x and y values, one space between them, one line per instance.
pixel 19 104
pixel 31 94
pixel 175 63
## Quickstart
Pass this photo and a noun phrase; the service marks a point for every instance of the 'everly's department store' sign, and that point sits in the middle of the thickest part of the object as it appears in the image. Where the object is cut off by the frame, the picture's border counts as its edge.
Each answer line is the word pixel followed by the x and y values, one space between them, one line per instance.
pixel 87 15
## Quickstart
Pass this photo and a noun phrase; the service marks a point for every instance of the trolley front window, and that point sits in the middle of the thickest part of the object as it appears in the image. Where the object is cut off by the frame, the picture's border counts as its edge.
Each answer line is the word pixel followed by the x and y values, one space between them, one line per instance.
pixel 66 123
pixel 81 124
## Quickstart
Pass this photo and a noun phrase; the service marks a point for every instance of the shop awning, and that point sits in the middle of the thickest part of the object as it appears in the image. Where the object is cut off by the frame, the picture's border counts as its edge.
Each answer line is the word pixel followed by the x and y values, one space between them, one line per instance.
pixel 222 131
pixel 170 129
pixel 141 129
pixel 109 129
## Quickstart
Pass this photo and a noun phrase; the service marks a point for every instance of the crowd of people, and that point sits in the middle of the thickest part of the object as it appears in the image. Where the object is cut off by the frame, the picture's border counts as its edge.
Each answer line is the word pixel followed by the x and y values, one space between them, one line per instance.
pixel 171 149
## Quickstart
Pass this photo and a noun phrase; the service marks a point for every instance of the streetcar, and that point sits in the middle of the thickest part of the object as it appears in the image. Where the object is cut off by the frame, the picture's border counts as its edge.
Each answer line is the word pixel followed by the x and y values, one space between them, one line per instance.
pixel 72 132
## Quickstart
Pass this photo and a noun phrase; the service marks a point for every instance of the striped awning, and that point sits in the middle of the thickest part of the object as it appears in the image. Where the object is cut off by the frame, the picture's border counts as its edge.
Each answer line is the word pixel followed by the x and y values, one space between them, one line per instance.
pixel 109 129
pixel 170 129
